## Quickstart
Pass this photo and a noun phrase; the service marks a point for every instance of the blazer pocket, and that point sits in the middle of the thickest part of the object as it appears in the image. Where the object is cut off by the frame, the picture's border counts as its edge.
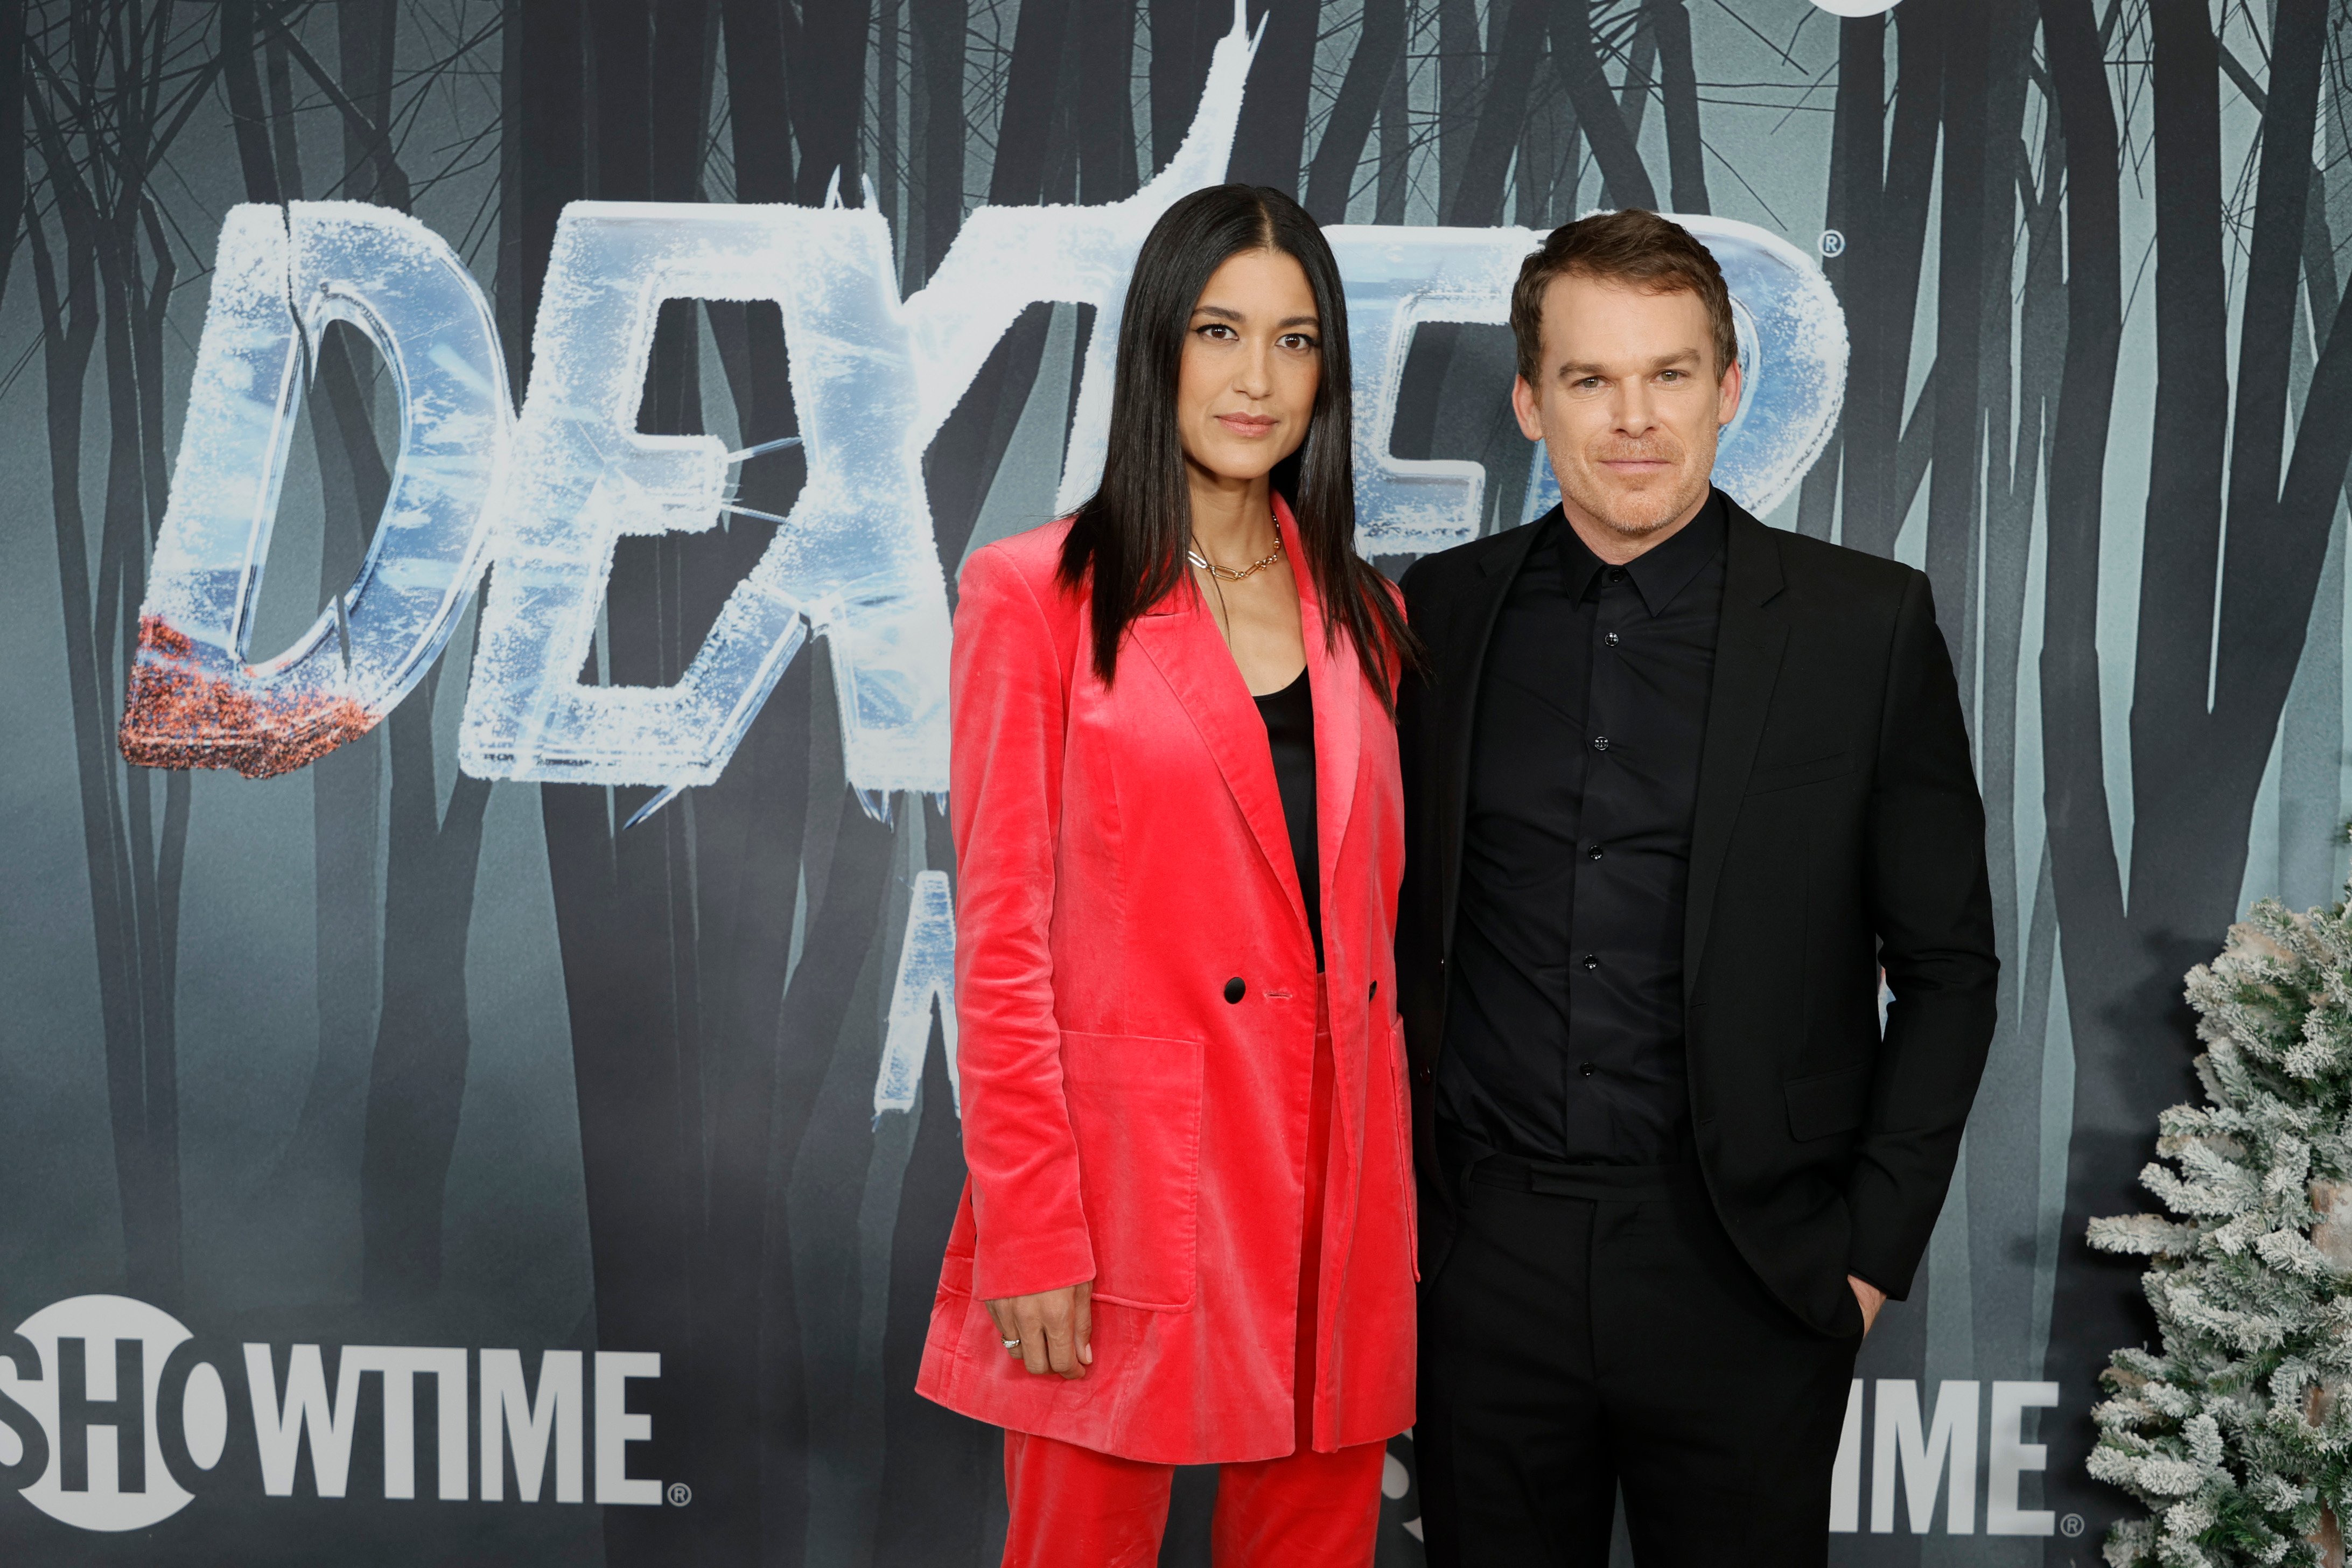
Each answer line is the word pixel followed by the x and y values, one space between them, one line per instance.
pixel 1791 775
pixel 1828 1102
pixel 1135 1114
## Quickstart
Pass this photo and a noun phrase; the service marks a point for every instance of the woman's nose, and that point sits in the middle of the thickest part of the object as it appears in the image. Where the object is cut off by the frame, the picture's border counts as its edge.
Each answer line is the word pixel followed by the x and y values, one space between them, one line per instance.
pixel 1249 377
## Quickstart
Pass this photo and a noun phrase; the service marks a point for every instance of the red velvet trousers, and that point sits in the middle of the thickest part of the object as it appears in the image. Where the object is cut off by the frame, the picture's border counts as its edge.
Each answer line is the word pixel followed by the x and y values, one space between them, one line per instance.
pixel 1074 1508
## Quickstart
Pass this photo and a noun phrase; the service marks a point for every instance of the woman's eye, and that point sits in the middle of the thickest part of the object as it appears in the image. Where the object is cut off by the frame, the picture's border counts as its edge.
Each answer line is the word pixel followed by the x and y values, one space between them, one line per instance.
pixel 1299 340
pixel 1215 329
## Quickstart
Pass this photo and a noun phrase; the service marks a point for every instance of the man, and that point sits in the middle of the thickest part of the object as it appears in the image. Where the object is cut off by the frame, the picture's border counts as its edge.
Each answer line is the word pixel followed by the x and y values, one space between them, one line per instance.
pixel 1677 786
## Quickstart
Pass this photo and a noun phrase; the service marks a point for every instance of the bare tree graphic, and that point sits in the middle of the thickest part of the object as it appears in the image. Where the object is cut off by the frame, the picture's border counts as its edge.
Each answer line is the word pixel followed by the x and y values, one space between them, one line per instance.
pixel 106 89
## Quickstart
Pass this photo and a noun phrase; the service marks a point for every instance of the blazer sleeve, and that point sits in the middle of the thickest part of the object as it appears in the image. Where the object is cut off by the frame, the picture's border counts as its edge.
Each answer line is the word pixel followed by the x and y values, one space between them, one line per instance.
pixel 1008 707
pixel 1931 903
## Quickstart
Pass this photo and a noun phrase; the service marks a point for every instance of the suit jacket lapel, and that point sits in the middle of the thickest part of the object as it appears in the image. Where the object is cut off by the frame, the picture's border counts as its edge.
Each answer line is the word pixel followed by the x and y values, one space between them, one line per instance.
pixel 1747 648
pixel 1184 644
pixel 1457 705
pixel 1335 676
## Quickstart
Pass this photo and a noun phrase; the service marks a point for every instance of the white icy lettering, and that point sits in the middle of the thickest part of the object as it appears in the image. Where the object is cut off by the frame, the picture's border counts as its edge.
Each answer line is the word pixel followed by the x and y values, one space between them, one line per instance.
pixel 926 976
pixel 280 278
pixel 874 379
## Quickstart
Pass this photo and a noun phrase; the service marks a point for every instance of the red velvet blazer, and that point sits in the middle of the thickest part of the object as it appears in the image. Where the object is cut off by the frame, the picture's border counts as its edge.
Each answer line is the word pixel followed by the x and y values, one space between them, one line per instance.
pixel 1135 991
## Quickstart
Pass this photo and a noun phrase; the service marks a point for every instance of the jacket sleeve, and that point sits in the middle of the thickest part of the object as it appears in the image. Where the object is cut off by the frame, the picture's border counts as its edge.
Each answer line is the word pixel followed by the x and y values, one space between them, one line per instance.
pixel 1008 703
pixel 1931 904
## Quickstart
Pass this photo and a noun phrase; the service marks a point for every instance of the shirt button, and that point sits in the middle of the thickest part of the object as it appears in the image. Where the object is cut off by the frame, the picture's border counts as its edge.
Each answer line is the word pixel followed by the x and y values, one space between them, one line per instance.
pixel 1593 852
pixel 1600 742
pixel 1591 962
pixel 1616 574
pixel 1611 639
pixel 1584 1069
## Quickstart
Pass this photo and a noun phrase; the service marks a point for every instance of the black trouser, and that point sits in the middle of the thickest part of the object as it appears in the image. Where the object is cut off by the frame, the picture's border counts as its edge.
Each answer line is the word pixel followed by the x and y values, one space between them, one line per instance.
pixel 1591 1327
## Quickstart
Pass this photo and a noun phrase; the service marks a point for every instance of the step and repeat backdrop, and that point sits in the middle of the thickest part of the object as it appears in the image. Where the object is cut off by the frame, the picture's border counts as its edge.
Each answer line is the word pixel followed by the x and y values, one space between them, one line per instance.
pixel 484 485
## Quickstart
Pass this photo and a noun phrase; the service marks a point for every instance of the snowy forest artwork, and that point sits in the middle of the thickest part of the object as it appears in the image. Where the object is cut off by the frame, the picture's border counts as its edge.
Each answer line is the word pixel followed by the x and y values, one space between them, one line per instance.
pixel 461 1030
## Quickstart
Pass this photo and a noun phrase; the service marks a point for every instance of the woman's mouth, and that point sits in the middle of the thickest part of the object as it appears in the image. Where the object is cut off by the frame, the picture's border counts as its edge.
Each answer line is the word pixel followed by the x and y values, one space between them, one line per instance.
pixel 1247 426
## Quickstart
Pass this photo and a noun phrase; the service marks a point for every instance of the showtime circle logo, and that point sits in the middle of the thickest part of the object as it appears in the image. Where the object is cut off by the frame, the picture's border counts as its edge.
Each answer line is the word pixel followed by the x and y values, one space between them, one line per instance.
pixel 109 1353
pixel 110 1419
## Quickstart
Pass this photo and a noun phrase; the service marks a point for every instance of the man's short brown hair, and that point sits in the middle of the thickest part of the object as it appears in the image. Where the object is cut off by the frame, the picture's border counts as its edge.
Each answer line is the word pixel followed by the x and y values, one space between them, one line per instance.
pixel 1633 248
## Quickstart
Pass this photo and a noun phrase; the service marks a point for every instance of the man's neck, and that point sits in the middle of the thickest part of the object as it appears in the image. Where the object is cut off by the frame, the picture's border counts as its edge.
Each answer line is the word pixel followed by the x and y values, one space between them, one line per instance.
pixel 1615 546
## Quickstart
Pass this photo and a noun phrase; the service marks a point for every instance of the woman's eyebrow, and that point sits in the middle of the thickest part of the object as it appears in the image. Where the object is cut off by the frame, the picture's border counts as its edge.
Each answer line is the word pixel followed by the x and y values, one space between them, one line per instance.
pixel 1225 314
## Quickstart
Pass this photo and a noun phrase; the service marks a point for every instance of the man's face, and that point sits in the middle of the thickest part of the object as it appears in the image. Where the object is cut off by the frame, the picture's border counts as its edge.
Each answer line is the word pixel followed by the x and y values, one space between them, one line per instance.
pixel 1629 405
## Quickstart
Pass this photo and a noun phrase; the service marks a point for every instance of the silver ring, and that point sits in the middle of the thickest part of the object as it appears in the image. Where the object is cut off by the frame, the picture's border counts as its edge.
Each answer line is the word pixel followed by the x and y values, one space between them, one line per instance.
pixel 1013 1347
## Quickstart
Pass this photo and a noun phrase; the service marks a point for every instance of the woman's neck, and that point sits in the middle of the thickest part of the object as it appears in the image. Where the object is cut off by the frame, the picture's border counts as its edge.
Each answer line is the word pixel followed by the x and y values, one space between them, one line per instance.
pixel 1233 519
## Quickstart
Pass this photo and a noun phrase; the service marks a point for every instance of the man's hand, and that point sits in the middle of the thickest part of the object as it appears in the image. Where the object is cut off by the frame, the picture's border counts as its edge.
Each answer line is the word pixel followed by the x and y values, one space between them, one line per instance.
pixel 1055 1329
pixel 1869 1297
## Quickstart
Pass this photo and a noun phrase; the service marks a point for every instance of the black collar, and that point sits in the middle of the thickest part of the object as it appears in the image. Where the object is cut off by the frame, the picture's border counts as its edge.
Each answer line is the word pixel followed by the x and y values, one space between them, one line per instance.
pixel 1659 574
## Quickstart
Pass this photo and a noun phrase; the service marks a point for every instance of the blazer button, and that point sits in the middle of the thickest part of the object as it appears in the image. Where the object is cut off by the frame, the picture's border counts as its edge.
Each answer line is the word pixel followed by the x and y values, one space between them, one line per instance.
pixel 1421 1075
pixel 1235 990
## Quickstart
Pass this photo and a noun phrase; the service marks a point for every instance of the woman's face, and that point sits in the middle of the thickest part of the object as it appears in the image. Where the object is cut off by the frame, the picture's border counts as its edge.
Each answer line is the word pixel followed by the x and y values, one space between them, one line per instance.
pixel 1253 359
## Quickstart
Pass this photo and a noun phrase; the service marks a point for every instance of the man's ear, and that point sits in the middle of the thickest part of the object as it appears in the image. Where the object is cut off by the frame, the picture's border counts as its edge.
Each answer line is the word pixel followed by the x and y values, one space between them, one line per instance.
pixel 1524 404
pixel 1728 391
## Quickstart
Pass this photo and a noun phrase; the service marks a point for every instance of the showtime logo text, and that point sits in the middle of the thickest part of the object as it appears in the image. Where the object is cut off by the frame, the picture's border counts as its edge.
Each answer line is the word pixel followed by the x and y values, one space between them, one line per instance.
pixel 107 1423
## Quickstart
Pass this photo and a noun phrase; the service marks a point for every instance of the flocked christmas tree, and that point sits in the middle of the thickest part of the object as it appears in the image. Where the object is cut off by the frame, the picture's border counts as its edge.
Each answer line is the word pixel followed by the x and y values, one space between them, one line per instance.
pixel 2237 1436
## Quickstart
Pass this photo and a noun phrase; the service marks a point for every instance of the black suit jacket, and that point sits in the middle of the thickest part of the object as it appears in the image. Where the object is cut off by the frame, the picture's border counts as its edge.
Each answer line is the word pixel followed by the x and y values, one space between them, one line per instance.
pixel 1838 828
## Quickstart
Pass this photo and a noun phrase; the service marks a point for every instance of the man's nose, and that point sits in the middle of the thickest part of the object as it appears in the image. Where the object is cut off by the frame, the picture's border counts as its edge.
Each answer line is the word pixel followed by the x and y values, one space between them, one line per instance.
pixel 1636 415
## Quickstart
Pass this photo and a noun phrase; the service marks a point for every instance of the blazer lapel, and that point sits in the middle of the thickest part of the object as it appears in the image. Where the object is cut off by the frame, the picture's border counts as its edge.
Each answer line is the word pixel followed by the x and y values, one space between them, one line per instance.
pixel 1334 675
pixel 1184 645
pixel 1335 678
pixel 1747 648
pixel 1457 707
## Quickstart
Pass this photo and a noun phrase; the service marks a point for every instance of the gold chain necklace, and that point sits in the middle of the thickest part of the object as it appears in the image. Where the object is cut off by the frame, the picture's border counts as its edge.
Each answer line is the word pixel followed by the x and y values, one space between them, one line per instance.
pixel 1231 575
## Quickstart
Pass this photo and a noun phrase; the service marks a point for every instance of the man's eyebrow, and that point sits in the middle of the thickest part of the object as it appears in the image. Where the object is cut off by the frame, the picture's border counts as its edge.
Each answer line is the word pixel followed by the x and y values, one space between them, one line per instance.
pixel 1571 369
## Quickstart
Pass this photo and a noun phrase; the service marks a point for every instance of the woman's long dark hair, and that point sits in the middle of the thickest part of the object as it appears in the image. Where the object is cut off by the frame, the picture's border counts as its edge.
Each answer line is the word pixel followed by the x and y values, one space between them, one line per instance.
pixel 1129 540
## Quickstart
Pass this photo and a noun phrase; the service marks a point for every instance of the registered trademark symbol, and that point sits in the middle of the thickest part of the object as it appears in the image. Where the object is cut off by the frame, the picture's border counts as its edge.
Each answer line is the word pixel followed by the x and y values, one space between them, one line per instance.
pixel 680 1494
pixel 1832 243
pixel 2071 1526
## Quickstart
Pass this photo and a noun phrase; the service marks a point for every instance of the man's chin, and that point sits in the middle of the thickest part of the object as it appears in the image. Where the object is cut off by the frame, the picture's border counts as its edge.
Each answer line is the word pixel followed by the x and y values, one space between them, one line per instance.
pixel 1638 510
pixel 1633 516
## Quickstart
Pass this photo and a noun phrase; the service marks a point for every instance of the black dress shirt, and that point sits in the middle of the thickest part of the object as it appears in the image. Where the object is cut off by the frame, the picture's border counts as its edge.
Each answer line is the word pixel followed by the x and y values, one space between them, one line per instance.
pixel 1564 1019
pixel 1289 716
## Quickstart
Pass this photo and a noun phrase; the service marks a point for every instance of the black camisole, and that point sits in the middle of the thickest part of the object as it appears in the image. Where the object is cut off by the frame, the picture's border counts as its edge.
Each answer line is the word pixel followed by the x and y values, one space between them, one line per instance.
pixel 1289 716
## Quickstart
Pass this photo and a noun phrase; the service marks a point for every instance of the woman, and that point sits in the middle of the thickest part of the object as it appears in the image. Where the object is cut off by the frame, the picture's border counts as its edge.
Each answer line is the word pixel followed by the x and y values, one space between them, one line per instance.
pixel 1188 1233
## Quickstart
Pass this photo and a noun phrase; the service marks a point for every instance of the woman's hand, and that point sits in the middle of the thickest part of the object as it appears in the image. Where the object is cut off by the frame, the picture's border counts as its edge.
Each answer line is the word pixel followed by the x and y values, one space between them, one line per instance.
pixel 1054 1328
